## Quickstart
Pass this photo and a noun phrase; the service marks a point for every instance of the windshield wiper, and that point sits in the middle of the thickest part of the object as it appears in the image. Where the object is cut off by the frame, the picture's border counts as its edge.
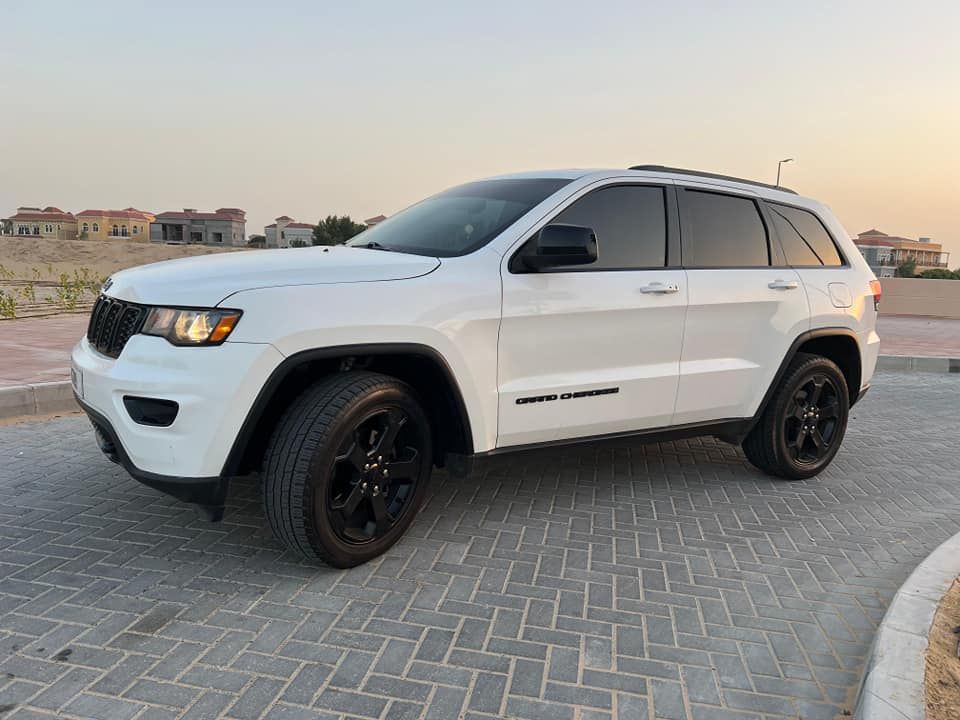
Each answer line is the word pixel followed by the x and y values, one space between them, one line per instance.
pixel 374 245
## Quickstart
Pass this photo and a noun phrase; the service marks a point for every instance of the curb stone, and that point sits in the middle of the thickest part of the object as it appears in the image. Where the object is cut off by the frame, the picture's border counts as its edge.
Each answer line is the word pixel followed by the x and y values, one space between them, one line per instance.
pixel 918 364
pixel 36 399
pixel 893 681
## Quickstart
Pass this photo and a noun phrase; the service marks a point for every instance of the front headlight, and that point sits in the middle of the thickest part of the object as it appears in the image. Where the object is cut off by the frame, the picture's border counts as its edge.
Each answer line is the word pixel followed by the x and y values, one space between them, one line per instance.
pixel 190 327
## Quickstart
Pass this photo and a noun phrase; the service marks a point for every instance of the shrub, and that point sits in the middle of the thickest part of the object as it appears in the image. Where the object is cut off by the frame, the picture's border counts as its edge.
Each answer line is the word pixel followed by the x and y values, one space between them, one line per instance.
pixel 28 293
pixel 8 305
pixel 939 274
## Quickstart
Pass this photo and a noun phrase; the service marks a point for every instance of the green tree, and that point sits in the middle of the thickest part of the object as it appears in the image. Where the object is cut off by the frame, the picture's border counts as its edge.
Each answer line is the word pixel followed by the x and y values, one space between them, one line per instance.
pixel 908 268
pixel 335 230
pixel 257 241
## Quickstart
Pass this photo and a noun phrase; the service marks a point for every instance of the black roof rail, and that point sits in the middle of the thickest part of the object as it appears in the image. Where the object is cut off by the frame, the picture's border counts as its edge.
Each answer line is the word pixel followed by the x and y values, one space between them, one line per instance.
pixel 714 176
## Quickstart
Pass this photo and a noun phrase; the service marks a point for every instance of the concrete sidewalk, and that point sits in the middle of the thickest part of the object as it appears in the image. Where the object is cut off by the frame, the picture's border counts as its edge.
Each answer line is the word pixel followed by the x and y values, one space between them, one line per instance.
pixel 919 336
pixel 37 350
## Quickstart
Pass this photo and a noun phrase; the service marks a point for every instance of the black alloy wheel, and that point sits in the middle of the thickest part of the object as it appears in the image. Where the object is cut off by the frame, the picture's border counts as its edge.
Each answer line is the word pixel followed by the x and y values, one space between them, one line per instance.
pixel 812 426
pixel 374 476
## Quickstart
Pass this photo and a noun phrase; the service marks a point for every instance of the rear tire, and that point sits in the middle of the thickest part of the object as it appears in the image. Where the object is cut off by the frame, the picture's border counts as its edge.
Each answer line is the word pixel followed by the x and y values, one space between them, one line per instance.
pixel 800 431
pixel 347 468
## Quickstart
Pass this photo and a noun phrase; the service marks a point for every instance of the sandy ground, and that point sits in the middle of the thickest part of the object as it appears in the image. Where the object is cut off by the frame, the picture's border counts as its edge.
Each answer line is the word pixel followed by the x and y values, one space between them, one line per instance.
pixel 32 271
pixel 51 257
pixel 943 663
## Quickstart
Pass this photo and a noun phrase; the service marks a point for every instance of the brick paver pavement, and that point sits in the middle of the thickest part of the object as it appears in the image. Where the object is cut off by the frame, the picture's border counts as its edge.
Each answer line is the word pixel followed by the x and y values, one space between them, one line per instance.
pixel 38 350
pixel 617 580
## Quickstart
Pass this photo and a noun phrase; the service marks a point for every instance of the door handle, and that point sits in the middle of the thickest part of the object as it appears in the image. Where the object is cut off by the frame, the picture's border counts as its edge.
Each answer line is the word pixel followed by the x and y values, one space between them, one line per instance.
pixel 783 285
pixel 659 289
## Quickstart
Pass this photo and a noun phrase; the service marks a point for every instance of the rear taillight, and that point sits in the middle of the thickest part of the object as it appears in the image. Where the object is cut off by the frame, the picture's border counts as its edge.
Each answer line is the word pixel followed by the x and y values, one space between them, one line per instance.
pixel 877 292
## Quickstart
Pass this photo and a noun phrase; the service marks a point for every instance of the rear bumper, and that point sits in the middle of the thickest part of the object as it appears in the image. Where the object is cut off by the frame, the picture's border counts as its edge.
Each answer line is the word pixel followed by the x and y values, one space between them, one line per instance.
pixel 859 397
pixel 209 492
pixel 870 351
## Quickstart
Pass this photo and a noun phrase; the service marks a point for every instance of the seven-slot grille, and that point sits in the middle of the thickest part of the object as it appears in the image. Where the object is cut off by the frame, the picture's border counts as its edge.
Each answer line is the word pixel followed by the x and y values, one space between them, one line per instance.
pixel 112 322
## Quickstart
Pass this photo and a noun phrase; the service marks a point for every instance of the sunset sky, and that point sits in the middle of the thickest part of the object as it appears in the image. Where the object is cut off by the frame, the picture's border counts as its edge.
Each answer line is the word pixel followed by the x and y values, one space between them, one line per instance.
pixel 312 108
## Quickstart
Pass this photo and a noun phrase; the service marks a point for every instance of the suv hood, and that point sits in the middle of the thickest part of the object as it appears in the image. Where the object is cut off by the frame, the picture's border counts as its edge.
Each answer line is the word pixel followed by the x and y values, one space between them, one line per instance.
pixel 207 280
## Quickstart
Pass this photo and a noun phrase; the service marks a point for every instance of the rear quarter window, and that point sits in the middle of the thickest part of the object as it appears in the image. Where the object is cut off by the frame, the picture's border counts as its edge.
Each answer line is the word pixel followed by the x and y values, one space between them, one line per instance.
pixel 804 238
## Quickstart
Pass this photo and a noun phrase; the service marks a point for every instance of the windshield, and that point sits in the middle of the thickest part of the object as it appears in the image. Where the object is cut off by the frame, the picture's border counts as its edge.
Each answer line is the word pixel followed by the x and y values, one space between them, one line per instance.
pixel 459 220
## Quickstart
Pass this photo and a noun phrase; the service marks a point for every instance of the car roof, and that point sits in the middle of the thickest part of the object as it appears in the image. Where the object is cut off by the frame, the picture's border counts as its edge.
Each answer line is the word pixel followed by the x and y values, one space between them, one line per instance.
pixel 681 175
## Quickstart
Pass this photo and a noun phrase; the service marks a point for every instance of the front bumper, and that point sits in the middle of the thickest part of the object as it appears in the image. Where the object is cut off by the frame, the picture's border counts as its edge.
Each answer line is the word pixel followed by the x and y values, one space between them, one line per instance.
pixel 209 493
pixel 214 388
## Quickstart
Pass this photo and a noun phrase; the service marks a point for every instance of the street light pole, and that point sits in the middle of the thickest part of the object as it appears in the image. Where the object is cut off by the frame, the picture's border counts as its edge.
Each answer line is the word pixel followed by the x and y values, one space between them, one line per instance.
pixel 778 168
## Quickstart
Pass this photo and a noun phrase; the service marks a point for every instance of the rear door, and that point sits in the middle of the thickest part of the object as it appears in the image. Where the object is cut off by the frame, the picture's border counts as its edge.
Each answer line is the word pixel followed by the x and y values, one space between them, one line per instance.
pixel 811 250
pixel 744 307
pixel 595 349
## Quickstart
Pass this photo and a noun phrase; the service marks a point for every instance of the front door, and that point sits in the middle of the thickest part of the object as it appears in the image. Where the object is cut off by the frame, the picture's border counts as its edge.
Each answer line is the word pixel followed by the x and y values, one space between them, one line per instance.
pixel 594 350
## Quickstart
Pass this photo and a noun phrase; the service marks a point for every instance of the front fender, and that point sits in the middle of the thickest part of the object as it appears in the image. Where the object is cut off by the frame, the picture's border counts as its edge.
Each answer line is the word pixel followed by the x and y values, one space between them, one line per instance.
pixel 452 314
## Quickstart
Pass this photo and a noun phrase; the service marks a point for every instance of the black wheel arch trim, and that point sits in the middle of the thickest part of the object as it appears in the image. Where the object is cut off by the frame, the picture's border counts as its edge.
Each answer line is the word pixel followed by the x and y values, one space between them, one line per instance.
pixel 854 393
pixel 290 363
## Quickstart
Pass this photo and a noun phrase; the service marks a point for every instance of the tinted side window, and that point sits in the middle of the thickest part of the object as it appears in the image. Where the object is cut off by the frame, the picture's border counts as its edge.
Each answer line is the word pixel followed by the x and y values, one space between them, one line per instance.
pixel 804 239
pixel 630 223
pixel 723 231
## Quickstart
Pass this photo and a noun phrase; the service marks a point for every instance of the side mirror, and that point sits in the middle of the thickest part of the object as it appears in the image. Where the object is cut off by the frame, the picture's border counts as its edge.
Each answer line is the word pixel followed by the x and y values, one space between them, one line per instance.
pixel 562 245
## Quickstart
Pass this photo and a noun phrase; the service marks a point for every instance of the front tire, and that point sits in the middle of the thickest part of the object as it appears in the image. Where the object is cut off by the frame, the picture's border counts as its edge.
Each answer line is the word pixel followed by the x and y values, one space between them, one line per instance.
pixel 800 431
pixel 347 468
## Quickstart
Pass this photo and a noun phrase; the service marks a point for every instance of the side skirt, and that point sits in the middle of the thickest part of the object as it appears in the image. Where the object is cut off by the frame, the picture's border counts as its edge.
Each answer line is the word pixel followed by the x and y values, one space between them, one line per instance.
pixel 731 431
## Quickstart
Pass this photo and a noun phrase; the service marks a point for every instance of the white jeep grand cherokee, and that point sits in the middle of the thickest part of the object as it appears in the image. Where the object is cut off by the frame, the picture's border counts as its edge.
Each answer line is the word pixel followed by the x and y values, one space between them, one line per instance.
pixel 499 315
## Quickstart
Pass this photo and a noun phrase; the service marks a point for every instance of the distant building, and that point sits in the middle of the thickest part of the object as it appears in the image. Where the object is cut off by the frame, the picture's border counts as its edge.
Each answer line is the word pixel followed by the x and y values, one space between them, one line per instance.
pixel 226 226
pixel 50 222
pixel 107 224
pixel 287 233
pixel 376 219
pixel 884 253
pixel 879 258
